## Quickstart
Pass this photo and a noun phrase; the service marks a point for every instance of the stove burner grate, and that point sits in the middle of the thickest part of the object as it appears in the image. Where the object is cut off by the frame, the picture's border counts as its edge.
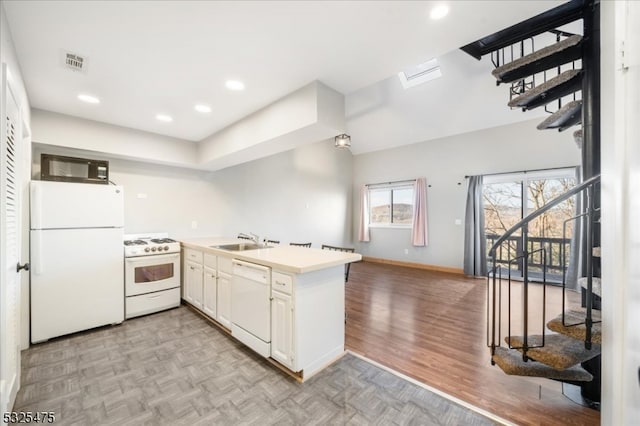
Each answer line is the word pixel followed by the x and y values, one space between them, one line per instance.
pixel 162 240
pixel 135 243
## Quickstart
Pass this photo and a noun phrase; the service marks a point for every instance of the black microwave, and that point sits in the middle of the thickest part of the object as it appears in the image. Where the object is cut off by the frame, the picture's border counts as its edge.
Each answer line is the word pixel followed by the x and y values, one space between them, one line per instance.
pixel 72 169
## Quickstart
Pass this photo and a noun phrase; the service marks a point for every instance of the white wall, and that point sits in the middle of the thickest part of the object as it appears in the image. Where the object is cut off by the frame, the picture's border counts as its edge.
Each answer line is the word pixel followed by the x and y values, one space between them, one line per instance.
pixel 62 130
pixel 620 94
pixel 310 114
pixel 301 194
pixel 444 163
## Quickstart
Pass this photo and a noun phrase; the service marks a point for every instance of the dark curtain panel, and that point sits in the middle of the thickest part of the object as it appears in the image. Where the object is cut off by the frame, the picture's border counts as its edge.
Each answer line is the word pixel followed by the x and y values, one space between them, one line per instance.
pixel 475 246
pixel 576 268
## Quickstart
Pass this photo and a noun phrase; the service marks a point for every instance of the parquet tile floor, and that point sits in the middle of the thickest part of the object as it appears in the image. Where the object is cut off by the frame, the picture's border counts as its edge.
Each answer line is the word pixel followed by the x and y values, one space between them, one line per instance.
pixel 175 368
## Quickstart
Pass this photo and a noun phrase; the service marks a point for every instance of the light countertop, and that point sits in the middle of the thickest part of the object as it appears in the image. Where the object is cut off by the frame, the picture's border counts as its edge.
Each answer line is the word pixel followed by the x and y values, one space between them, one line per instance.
pixel 298 260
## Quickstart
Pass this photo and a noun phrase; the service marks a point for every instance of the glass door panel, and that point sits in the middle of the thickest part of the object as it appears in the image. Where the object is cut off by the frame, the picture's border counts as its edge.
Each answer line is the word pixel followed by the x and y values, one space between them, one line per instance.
pixel 502 210
pixel 547 229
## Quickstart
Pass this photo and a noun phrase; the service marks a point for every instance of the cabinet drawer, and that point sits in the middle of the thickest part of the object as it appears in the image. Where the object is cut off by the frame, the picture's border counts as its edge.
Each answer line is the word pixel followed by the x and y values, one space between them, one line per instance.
pixel 193 255
pixel 281 282
pixel 211 261
pixel 225 264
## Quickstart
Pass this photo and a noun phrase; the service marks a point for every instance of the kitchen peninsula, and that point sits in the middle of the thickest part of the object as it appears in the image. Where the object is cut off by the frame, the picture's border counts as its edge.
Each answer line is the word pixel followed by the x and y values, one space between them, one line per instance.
pixel 284 302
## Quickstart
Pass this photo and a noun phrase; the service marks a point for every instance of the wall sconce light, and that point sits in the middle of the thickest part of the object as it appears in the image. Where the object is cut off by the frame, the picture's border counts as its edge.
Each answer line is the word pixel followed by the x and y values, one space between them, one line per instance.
pixel 343 141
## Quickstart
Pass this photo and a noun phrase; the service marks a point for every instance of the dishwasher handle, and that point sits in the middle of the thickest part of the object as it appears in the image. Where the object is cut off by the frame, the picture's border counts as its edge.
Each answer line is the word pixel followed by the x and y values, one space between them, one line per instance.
pixel 251 271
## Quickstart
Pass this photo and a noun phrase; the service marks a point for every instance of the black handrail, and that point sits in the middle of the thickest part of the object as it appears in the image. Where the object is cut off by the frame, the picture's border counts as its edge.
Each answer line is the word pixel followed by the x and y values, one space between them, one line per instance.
pixel 524 254
pixel 573 191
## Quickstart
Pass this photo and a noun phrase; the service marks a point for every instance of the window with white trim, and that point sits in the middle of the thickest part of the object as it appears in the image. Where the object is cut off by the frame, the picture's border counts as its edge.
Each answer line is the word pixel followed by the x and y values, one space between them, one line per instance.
pixel 391 205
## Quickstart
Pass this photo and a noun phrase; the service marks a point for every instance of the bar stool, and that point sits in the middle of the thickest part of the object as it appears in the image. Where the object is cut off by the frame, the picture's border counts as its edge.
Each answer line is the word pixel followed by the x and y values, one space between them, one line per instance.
pixel 301 244
pixel 343 249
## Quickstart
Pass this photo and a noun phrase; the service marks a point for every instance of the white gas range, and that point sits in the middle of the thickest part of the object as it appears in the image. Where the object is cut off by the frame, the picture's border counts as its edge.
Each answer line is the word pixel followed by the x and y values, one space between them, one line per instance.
pixel 152 273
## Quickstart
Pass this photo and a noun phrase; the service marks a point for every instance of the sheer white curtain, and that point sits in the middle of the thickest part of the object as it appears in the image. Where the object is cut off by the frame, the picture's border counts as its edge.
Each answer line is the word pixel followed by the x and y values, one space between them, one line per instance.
pixel 419 228
pixel 363 229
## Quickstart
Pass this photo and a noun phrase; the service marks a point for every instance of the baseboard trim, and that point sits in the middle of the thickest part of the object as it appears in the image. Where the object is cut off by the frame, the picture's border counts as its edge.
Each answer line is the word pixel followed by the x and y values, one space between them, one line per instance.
pixel 415 265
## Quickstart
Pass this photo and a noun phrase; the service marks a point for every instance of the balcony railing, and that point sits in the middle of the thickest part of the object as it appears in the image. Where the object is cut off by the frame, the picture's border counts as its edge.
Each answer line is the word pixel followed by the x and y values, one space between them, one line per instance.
pixel 507 256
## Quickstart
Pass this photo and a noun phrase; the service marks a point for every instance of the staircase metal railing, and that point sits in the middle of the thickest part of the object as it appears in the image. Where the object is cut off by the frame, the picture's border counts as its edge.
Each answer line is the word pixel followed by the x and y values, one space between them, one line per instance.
pixel 494 275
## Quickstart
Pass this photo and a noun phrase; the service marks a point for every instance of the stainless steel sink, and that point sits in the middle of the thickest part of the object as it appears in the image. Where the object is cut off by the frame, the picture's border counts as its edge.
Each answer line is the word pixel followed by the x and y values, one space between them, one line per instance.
pixel 241 246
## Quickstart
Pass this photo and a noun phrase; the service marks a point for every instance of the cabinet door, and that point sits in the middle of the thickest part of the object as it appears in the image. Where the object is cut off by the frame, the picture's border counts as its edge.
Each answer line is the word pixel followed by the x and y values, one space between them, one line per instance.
pixel 282 329
pixel 194 284
pixel 224 299
pixel 210 292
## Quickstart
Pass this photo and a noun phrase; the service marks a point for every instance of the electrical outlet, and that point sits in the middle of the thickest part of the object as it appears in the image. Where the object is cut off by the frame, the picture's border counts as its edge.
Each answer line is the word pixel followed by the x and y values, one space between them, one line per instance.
pixel 406 251
pixel 458 222
pixel 194 224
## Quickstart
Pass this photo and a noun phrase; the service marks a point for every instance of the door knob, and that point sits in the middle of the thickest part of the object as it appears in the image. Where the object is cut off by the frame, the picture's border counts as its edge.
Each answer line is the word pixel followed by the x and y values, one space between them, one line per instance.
pixel 20 267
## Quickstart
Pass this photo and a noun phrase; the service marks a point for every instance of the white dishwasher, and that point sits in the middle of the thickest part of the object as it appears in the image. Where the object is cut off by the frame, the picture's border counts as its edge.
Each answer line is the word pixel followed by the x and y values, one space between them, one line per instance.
pixel 251 306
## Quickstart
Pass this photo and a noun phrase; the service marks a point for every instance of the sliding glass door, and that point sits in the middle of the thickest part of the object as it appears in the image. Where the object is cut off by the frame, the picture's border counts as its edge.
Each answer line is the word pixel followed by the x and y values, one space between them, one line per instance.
pixel 510 197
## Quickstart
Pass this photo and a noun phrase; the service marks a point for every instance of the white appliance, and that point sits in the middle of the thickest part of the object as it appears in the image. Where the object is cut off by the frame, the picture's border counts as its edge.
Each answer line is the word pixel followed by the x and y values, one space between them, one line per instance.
pixel 76 257
pixel 152 273
pixel 251 306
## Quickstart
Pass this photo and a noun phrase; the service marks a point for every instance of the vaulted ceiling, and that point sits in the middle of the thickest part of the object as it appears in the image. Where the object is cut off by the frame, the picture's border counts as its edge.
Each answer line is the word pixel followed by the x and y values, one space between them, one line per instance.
pixel 144 58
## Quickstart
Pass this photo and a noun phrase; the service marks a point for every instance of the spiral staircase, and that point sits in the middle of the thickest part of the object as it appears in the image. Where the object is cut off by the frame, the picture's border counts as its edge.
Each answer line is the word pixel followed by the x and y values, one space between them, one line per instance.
pixel 562 77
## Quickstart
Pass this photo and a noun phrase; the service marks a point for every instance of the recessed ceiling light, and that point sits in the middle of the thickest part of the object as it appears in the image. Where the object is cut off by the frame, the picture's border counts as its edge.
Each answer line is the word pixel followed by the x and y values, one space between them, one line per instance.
pixel 202 108
pixel 164 117
pixel 439 11
pixel 88 98
pixel 234 85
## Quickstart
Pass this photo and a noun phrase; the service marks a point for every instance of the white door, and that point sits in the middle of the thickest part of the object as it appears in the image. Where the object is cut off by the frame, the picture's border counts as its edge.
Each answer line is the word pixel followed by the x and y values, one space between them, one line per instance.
pixel 10 211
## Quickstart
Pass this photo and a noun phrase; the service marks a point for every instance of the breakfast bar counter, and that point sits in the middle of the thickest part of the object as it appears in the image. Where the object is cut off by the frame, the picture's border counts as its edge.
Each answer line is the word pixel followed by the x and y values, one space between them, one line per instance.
pixel 297 260
pixel 284 302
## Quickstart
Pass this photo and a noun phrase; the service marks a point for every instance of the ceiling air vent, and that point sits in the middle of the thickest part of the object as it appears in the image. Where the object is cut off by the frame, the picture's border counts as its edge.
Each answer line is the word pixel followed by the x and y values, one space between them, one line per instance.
pixel 74 61
pixel 421 73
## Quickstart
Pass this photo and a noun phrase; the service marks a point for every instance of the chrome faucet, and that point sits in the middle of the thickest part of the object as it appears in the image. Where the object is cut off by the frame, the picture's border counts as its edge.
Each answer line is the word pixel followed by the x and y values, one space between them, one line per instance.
pixel 253 237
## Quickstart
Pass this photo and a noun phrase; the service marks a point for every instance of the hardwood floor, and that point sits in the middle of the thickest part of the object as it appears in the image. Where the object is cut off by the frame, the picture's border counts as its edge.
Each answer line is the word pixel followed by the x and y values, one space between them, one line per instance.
pixel 431 326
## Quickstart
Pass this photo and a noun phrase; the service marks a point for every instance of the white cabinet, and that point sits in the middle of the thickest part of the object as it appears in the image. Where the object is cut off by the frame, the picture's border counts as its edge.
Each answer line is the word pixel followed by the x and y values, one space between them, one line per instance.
pixel 193 284
pixel 225 270
pixel 307 308
pixel 224 299
pixel 282 329
pixel 207 284
pixel 200 287
pixel 210 288
pixel 282 320
pixel 307 319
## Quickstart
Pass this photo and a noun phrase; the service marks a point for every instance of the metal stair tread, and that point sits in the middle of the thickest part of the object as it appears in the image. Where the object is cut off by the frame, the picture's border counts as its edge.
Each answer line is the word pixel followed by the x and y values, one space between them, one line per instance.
pixel 548 57
pixel 567 116
pixel 559 351
pixel 596 285
pixel 555 88
pixel 510 361
pixel 574 318
pixel 577 137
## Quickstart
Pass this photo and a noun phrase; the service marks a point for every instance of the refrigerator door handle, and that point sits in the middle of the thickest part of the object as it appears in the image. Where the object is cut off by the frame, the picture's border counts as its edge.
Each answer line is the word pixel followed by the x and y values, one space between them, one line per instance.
pixel 36 202
pixel 36 252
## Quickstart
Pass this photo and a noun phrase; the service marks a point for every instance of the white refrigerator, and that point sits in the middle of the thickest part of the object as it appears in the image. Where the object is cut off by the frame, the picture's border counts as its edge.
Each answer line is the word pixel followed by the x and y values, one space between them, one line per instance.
pixel 77 261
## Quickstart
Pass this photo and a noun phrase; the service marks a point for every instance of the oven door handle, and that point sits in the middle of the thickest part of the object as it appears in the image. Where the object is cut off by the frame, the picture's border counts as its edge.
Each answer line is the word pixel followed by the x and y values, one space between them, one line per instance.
pixel 154 258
